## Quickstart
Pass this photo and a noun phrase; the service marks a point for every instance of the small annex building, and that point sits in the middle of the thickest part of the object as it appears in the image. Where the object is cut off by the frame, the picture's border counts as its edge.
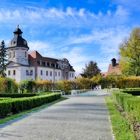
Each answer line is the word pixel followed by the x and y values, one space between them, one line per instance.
pixel 113 68
pixel 23 65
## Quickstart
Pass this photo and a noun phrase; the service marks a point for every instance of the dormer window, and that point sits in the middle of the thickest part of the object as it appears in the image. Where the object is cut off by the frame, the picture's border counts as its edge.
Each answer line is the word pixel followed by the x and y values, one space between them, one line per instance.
pixel 48 64
pixel 43 63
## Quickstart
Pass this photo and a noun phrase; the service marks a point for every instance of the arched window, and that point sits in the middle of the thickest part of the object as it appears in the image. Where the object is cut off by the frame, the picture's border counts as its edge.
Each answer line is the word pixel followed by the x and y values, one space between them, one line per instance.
pixel 14 72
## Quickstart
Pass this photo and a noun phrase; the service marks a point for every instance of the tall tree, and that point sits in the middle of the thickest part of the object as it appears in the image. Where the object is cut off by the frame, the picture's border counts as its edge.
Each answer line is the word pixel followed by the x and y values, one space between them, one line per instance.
pixel 130 54
pixel 91 69
pixel 3 59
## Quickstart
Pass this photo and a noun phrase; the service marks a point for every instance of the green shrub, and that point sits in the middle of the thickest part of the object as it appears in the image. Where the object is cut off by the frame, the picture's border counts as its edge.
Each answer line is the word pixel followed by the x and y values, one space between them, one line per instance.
pixel 8 85
pixel 120 81
pixel 44 85
pixel 133 91
pixel 129 103
pixel 65 86
pixel 133 108
pixel 20 104
pixel 5 108
pixel 84 83
pixel 17 95
pixel 27 86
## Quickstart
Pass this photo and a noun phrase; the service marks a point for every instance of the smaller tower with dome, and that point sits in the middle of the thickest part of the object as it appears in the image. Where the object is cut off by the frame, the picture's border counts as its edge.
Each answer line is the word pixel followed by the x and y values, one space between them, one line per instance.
pixel 18 48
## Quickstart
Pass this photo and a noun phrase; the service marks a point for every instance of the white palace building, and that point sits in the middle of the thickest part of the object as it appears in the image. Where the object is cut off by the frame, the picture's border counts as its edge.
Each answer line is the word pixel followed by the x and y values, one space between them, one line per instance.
pixel 23 65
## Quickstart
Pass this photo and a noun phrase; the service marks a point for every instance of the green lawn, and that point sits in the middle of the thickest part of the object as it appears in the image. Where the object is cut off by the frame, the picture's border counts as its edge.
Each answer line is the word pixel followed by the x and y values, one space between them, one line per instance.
pixel 120 125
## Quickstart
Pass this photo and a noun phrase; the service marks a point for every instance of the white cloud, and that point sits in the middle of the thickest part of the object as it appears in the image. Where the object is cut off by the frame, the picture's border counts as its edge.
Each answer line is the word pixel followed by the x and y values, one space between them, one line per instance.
pixel 108 38
pixel 65 18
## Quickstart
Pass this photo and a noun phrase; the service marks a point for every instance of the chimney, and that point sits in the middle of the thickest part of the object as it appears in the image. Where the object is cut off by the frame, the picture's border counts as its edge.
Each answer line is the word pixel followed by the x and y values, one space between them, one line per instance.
pixel 113 62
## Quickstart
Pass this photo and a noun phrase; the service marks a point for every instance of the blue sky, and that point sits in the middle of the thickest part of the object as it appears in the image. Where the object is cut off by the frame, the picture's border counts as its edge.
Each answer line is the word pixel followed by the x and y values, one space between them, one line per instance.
pixel 80 30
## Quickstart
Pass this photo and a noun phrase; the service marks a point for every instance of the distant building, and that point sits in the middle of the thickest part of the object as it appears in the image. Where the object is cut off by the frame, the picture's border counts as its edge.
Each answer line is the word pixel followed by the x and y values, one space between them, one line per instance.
pixel 24 66
pixel 113 69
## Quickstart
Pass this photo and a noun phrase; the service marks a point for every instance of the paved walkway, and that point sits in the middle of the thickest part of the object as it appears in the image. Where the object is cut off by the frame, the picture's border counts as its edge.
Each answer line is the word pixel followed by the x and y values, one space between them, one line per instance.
pixel 77 118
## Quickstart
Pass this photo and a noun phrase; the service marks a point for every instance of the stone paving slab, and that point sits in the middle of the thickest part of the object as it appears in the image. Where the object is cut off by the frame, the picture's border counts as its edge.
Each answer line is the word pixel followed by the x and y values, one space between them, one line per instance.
pixel 77 118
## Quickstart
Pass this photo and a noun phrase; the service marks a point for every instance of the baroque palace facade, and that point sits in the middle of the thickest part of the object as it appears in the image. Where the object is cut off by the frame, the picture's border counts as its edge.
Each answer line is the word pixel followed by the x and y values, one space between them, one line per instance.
pixel 31 66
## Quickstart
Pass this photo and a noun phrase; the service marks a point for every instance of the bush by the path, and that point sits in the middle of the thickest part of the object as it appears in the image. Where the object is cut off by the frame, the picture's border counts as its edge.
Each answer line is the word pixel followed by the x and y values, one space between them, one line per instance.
pixel 43 85
pixel 8 85
pixel 120 125
pixel 16 95
pixel 12 106
pixel 30 86
pixel 120 81
pixel 133 91
pixel 5 108
pixel 129 104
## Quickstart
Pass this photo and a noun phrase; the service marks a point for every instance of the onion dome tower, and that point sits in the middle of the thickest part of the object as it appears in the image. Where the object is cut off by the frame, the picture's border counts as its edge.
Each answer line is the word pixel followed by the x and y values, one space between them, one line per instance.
pixel 18 48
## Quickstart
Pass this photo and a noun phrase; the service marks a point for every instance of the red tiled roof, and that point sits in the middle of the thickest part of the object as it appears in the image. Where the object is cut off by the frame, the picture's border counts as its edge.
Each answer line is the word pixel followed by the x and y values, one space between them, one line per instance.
pixel 114 69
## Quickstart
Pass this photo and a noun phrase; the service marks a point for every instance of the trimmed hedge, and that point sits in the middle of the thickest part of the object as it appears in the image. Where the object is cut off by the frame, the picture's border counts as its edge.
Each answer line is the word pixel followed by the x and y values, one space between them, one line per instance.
pixel 16 95
pixel 133 91
pixel 5 108
pixel 13 106
pixel 129 104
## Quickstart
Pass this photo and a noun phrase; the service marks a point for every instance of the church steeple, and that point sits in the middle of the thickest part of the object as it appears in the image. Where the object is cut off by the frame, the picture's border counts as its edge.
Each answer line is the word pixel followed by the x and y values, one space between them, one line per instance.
pixel 18 40
pixel 18 48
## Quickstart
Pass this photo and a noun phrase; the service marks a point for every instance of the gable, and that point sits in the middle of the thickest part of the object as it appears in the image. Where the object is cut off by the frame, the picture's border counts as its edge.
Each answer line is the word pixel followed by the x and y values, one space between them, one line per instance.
pixel 13 64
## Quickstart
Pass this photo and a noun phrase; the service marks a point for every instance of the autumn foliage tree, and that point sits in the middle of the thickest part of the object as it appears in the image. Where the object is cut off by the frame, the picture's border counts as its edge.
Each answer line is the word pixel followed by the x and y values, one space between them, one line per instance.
pixel 130 54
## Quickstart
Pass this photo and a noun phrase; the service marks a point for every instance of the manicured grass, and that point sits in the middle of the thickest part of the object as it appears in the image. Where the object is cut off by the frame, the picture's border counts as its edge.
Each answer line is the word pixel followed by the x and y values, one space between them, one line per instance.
pixel 25 113
pixel 120 125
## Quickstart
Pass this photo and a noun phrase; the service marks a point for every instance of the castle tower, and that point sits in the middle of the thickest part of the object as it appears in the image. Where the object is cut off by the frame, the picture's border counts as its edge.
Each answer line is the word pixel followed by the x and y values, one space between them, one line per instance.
pixel 18 48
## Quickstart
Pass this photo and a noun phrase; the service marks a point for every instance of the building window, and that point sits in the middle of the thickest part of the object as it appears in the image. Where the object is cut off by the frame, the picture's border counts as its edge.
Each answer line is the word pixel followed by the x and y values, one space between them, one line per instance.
pixel 56 65
pixel 53 65
pixel 46 73
pixel 48 64
pixel 41 72
pixel 9 72
pixel 25 54
pixel 13 54
pixel 50 73
pixel 27 72
pixel 31 72
pixel 38 62
pixel 43 63
pixel 14 72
